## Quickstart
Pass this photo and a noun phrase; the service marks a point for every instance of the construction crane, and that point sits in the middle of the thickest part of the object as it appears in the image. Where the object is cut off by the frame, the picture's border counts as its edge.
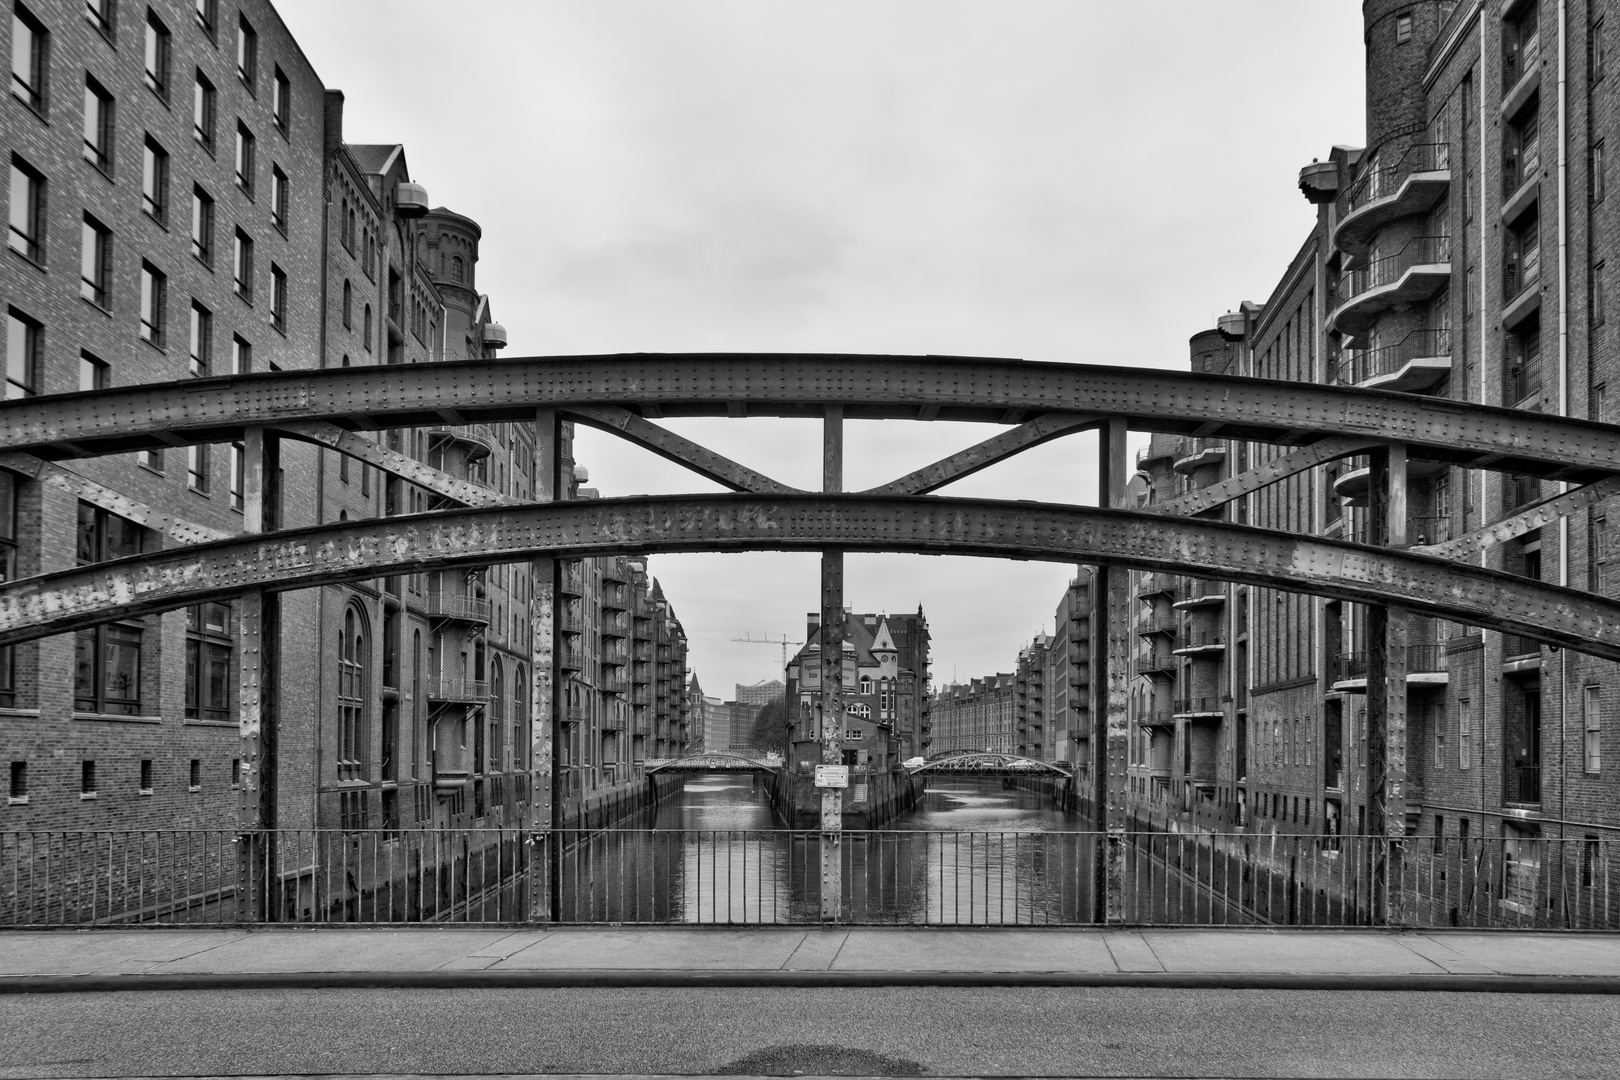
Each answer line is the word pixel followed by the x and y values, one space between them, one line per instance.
pixel 783 640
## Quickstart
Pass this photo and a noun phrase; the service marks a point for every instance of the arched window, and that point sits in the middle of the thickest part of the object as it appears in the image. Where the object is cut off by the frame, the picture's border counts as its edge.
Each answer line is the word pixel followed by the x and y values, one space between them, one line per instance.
pixel 520 718
pixel 419 725
pixel 456 268
pixel 367 330
pixel 351 695
pixel 866 684
pixel 348 306
pixel 497 716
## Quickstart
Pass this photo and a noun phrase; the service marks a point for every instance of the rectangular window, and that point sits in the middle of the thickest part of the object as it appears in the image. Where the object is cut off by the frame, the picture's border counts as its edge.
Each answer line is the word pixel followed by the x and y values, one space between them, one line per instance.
pixel 209 647
pixel 94 374
pixel 146 776
pixel 236 476
pixel 245 151
pixel 154 303
pixel 1597 178
pixel 28 57
pixel 157 55
pixel 1599 61
pixel 281 101
pixel 278 198
pixel 242 265
pixel 194 780
pixel 1403 29
pixel 241 356
pixel 278 298
pixel 1521 370
pixel 1465 733
pixel 19 781
pixel 1521 151
pixel 247 54
pixel 1521 46
pixel 208 17
pixel 87 777
pixel 95 261
pixel 155 181
pixel 198 467
pixel 1439 719
pixel 203 103
pixel 27 236
pixel 201 340
pixel 98 125
pixel 1521 256
pixel 1597 554
pixel 1592 713
pixel 1439 834
pixel 1597 293
pixel 24 338
pixel 107 670
pixel 100 14
pixel 8 572
pixel 202 226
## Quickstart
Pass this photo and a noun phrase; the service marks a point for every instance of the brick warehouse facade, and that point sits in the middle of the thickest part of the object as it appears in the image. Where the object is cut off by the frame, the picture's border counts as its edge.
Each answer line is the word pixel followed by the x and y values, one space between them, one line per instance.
pixel 1462 253
pixel 189 164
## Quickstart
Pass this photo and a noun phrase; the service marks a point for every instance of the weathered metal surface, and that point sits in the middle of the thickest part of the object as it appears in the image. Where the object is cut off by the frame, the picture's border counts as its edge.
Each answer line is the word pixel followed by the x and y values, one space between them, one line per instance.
pixel 1043 428
pixel 394 463
pixel 545 811
pixel 990 764
pixel 665 443
pixel 1110 674
pixel 1278 468
pixel 175 528
pixel 832 674
pixel 869 387
pixel 354 550
pixel 1543 513
pixel 712 761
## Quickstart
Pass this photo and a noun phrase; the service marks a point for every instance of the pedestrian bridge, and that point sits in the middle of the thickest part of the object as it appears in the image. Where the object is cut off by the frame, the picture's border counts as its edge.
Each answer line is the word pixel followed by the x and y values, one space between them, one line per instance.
pixel 715 761
pixel 989 764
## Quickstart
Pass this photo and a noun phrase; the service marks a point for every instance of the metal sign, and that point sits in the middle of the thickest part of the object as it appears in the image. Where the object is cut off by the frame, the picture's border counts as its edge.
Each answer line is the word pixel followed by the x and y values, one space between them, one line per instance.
pixel 832 776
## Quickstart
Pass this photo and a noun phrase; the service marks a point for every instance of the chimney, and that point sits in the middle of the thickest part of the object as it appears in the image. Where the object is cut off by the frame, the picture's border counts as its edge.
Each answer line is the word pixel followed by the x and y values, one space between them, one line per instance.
pixel 332 114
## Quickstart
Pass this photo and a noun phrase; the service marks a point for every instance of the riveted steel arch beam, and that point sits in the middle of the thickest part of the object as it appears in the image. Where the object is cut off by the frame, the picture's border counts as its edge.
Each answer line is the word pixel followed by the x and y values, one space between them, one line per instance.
pixel 348 551
pixel 175 528
pixel 1278 468
pixel 774 384
pixel 1545 512
pixel 946 470
pixel 394 463
pixel 682 451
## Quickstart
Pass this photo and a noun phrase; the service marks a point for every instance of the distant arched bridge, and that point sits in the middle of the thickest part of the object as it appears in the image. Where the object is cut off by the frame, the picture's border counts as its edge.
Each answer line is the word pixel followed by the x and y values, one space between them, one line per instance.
pixel 990 764
pixel 714 761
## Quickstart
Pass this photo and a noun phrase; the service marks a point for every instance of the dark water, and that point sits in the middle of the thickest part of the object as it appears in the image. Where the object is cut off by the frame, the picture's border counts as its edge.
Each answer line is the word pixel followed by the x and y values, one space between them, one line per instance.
pixel 971 852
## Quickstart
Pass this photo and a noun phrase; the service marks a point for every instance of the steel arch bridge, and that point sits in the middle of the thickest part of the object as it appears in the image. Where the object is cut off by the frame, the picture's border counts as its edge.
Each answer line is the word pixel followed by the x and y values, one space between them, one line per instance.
pixel 712 761
pixel 626 394
pixel 969 763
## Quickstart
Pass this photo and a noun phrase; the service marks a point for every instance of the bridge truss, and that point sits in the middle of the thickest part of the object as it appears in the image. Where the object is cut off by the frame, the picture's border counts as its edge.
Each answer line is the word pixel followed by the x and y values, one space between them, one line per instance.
pixel 989 764
pixel 711 761
pixel 626 395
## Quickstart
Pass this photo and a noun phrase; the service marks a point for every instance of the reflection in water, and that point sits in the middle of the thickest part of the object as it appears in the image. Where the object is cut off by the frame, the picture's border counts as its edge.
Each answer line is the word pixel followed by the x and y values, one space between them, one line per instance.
pixel 971 852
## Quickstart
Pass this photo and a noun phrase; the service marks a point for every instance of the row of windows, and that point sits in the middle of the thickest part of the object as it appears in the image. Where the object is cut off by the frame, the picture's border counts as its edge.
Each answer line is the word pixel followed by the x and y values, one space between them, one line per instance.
pixel 30 56
pixel 90 778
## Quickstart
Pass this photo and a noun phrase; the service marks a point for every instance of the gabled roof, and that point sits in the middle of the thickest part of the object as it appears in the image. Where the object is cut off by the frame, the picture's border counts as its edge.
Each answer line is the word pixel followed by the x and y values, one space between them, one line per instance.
pixel 376 158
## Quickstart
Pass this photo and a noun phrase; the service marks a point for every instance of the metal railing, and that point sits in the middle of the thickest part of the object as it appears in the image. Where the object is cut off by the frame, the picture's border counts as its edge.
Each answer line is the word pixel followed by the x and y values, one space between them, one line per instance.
pixel 1175 874
pixel 1197 639
pixel 455 688
pixel 1360 366
pixel 1521 784
pixel 1158 624
pixel 1208 703
pixel 1376 184
pixel 1418 251
pixel 451 606
pixel 1420 659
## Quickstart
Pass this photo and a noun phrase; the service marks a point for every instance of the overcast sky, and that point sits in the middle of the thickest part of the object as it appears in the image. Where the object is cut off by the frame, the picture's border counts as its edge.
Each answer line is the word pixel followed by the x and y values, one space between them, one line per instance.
pixel 1063 181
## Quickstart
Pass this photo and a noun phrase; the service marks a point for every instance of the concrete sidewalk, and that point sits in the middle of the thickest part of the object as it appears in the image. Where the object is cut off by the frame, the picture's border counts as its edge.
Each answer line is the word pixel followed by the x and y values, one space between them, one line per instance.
pixel 44 961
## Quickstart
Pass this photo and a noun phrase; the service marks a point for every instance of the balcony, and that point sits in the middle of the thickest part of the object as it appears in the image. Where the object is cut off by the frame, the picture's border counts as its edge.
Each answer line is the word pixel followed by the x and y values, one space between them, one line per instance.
pixel 1416 272
pixel 570 657
pixel 1149 625
pixel 615 598
pixel 569 622
pixel 452 690
pixel 1156 585
pixel 1194 454
pixel 1521 785
pixel 1353 484
pixel 613 684
pixel 1419 361
pixel 1200 708
pixel 570 579
pixel 1197 593
pixel 1159 448
pixel 477 440
pixel 1201 642
pixel 1412 185
pixel 1156 718
pixel 1425 666
pixel 1520 655
pixel 450 607
pixel 616 629
pixel 1149 662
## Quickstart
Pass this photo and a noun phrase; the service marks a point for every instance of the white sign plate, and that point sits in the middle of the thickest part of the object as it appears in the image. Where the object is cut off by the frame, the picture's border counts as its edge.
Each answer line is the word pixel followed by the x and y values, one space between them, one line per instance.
pixel 832 776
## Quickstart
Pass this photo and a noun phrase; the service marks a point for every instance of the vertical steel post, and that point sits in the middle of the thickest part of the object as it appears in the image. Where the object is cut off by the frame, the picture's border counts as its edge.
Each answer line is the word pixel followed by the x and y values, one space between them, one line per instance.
pixel 258 618
pixel 545 899
pixel 1110 720
pixel 832 675
pixel 1386 693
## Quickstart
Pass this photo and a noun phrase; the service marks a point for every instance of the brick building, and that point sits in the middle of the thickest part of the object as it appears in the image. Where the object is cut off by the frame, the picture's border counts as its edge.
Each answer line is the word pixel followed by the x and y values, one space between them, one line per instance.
pixel 978 715
pixel 885 683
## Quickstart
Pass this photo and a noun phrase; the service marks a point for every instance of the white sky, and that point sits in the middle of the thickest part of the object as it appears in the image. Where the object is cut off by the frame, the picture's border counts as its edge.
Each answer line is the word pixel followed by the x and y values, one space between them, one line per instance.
pixel 1071 180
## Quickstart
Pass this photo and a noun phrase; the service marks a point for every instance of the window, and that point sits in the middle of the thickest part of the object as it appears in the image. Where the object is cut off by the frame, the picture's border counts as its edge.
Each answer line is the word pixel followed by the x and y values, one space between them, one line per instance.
pixel 19 781
pixel 154 301
pixel 198 468
pixel 208 16
pixel 155 181
pixel 1521 256
pixel 94 374
pixel 157 55
pixel 202 340
pixel 247 54
pixel 237 463
pixel 146 776
pixel 456 268
pixel 151 459
pixel 209 648
pixel 278 198
pixel 95 263
pixel 1439 720
pixel 202 226
pixel 28 56
pixel 8 572
pixel 203 101
pixel 194 779
pixel 1599 60
pixel 98 125
pixel 27 236
pixel 278 298
pixel 1522 368
pixel 348 306
pixel 100 14
pixel 1592 713
pixel 1597 293
pixel 241 356
pixel 107 658
pixel 1403 29
pixel 1597 554
pixel 1521 151
pixel 242 266
pixel 281 100
pixel 87 778
pixel 367 329
pixel 245 150
pixel 1521 46
pixel 1465 733
pixel 23 340
pixel 1597 177
pixel 351 696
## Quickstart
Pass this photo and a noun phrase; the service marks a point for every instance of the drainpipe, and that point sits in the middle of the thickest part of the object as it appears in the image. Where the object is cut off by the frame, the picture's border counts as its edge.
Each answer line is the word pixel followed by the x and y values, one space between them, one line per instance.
pixel 1563 376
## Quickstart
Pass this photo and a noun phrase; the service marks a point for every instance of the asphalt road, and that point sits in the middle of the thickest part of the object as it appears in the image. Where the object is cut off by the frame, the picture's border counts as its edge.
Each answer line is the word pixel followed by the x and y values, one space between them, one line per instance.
pixel 899 1032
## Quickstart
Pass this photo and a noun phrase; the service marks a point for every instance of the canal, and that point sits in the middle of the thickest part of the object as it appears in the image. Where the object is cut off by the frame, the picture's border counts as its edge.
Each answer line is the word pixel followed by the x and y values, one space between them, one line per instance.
pixel 973 851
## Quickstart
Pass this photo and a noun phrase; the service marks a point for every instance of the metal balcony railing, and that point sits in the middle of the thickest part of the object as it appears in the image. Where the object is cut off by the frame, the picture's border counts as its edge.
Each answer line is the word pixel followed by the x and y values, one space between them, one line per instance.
pixel 461 608
pixel 1194 639
pixel 1419 251
pixel 1360 366
pixel 1204 703
pixel 479 439
pixel 1158 624
pixel 1521 784
pixel 455 688
pixel 1382 182
pixel 1428 530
